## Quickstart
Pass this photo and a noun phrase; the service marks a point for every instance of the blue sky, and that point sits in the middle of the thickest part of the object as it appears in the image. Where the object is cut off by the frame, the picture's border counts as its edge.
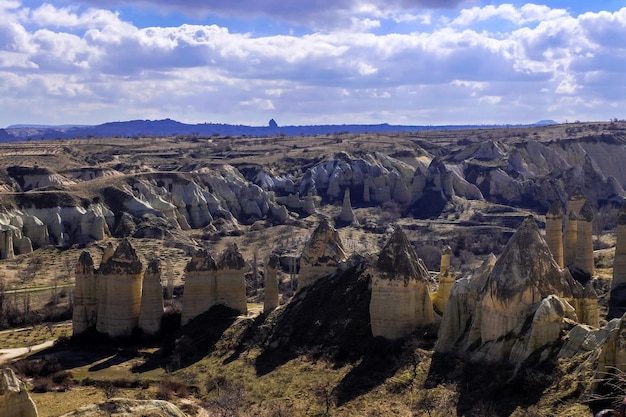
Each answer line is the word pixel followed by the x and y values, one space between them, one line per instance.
pixel 424 62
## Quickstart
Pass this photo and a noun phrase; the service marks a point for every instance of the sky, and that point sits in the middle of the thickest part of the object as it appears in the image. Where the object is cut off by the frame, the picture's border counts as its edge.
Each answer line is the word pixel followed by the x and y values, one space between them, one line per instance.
pixel 308 62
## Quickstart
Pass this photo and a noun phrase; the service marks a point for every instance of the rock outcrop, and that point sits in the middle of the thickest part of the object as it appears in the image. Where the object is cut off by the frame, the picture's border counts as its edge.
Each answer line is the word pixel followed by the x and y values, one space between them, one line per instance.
pixel 271 296
pixel 119 292
pixel 515 292
pixel 124 407
pixel 14 398
pixel 400 290
pixel 617 300
pixel 554 232
pixel 151 311
pixel 322 254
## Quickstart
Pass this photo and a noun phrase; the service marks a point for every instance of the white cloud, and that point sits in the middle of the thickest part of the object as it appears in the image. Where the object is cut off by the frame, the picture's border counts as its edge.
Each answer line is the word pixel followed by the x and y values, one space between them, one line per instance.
pixel 91 64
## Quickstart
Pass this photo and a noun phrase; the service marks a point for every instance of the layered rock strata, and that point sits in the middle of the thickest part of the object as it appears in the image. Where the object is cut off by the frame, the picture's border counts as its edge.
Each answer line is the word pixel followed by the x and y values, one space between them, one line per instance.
pixel 151 311
pixel 271 297
pixel 400 299
pixel 14 398
pixel 322 254
pixel 554 232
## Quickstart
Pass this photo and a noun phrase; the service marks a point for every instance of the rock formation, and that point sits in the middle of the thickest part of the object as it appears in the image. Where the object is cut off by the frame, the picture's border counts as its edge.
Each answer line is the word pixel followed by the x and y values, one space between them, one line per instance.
pixel 584 240
pixel 400 299
pixel 514 292
pixel 14 398
pixel 446 280
pixel 270 300
pixel 322 254
pixel 124 407
pixel 619 262
pixel 589 311
pixel 199 293
pixel 230 287
pixel 151 311
pixel 208 283
pixel 85 313
pixel 346 215
pixel 554 232
pixel 119 292
pixel 571 237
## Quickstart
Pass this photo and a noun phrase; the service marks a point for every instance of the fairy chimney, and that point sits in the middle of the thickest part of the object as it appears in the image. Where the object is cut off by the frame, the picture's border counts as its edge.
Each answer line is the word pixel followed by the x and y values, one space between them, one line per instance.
pixel 199 293
pixel 400 300
pixel 589 312
pixel 584 240
pixel 119 292
pixel 151 311
pixel 446 280
pixel 619 262
pixel 270 301
pixel 554 232
pixel 346 215
pixel 571 237
pixel 321 255
pixel 85 311
pixel 230 282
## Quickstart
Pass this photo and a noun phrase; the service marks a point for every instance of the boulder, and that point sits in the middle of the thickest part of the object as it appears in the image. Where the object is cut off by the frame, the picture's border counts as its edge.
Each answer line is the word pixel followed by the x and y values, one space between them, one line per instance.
pixel 123 407
pixel 400 299
pixel 14 398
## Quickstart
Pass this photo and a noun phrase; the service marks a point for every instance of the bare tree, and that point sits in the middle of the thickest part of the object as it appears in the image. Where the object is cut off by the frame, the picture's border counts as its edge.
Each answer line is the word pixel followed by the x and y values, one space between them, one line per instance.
pixel 69 265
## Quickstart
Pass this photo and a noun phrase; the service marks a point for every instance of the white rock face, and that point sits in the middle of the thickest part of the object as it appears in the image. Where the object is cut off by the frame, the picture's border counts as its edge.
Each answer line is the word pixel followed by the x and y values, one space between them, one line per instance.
pixel 400 300
pixel 524 284
pixel 151 310
pixel 123 407
pixel 230 283
pixel 14 399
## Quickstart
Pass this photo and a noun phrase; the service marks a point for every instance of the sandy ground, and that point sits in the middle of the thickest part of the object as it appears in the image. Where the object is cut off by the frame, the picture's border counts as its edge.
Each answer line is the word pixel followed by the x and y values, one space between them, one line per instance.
pixel 7 355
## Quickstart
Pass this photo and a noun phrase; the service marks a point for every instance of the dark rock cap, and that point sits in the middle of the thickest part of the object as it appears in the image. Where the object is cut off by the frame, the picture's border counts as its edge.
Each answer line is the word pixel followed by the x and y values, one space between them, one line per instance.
pixel 324 247
pixel 231 258
pixel 556 211
pixel 201 261
pixel 399 260
pixel 85 264
pixel 577 195
pixel 586 212
pixel 154 267
pixel 123 261
pixel 274 261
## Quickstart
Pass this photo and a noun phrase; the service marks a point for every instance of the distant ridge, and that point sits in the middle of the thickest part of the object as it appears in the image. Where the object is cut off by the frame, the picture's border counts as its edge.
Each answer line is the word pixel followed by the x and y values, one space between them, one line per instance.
pixel 169 127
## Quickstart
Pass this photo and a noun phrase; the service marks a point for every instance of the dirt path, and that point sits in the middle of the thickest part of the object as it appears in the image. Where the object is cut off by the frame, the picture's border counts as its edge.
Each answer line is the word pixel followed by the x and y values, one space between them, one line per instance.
pixel 7 355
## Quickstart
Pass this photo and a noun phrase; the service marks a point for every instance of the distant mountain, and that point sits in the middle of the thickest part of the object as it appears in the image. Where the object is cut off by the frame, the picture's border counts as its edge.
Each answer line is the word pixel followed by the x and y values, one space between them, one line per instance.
pixel 168 127
pixel 546 122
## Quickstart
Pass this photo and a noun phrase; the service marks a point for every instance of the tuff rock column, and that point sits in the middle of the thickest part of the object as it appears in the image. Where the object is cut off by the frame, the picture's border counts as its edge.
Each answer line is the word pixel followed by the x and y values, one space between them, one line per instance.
pixel 270 301
pixel 230 283
pixel 199 294
pixel 120 292
pixel 346 215
pixel 554 232
pixel 574 204
pixel 619 262
pixel 400 290
pixel 584 240
pixel 446 280
pixel 151 311
pixel 85 314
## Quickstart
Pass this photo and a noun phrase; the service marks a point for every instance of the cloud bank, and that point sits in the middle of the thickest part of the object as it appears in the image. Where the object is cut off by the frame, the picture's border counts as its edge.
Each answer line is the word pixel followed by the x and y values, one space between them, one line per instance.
pixel 490 64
